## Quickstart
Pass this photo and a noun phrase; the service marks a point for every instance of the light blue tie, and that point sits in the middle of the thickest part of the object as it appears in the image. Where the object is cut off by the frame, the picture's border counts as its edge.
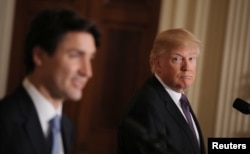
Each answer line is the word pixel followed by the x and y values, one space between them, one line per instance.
pixel 55 128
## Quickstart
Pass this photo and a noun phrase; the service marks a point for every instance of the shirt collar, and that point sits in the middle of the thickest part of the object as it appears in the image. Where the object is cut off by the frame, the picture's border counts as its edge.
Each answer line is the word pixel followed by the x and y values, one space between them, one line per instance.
pixel 44 108
pixel 173 94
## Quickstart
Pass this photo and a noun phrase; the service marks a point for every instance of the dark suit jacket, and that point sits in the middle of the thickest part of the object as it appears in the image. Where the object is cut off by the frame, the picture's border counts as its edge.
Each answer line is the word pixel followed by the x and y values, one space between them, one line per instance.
pixel 154 111
pixel 20 130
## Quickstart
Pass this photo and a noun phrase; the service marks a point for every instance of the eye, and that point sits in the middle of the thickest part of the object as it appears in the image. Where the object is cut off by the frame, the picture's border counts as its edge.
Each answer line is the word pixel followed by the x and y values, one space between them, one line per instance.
pixel 193 58
pixel 176 59
pixel 75 54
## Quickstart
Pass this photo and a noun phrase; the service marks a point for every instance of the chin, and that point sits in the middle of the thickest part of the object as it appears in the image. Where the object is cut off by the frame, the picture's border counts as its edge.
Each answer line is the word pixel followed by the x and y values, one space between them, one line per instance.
pixel 76 96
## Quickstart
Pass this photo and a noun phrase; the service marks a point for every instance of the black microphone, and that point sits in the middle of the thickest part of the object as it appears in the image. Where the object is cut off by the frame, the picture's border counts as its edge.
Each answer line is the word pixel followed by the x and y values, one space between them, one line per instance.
pixel 241 106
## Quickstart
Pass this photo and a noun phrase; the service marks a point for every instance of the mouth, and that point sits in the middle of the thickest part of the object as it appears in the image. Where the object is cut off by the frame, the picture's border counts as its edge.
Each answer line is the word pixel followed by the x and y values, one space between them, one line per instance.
pixel 79 83
pixel 186 77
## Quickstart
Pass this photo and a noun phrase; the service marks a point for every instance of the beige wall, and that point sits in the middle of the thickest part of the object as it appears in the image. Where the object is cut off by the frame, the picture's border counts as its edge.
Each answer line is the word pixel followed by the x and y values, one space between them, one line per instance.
pixel 224 64
pixel 6 18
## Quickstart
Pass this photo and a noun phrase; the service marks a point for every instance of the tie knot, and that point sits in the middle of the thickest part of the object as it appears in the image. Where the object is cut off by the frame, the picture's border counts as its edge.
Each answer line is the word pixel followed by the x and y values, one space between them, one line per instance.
pixel 55 123
pixel 184 100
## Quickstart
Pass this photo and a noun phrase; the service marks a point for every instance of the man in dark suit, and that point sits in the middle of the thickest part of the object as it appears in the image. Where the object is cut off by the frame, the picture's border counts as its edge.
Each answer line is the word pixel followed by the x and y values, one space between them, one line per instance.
pixel 59 47
pixel 156 121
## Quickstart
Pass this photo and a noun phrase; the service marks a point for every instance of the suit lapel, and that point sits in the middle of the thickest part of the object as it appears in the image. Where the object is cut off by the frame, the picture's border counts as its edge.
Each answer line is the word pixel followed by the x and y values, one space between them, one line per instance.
pixel 177 115
pixel 32 125
pixel 35 134
pixel 66 134
pixel 202 146
pixel 174 110
pixel 169 103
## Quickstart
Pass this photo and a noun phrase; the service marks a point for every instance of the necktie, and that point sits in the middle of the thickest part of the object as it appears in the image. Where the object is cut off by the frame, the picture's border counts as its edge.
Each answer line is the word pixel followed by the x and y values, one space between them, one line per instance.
pixel 55 128
pixel 186 110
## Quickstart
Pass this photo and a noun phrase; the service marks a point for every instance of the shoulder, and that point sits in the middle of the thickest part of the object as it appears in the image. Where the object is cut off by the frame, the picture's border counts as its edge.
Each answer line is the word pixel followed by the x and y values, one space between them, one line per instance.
pixel 19 94
pixel 12 106
pixel 149 93
pixel 146 100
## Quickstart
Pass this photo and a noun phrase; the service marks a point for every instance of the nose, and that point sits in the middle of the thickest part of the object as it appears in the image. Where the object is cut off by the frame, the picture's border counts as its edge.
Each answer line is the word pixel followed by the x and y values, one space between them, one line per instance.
pixel 185 64
pixel 86 68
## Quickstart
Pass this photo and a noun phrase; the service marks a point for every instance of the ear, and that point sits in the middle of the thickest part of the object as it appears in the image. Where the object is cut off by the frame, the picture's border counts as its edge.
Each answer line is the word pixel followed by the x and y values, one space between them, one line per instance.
pixel 38 56
pixel 157 64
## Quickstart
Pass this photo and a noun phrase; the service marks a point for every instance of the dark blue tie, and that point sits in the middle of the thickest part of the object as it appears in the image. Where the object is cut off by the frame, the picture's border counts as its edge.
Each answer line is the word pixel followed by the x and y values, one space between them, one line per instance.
pixel 55 128
pixel 186 110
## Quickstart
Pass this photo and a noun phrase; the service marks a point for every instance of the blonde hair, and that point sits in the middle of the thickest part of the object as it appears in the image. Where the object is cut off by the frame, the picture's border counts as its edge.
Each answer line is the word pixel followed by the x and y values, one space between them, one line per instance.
pixel 170 40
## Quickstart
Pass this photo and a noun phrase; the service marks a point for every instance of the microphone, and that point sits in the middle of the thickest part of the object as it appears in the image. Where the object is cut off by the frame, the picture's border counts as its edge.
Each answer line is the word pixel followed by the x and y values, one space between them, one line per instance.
pixel 241 106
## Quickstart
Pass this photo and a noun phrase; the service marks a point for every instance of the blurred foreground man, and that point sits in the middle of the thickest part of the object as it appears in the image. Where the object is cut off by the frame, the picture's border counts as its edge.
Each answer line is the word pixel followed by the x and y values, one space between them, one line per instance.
pixel 59 47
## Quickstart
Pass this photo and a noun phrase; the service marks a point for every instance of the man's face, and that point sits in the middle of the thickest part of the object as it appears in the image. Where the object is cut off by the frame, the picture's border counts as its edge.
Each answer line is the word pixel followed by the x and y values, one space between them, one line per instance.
pixel 68 70
pixel 177 69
